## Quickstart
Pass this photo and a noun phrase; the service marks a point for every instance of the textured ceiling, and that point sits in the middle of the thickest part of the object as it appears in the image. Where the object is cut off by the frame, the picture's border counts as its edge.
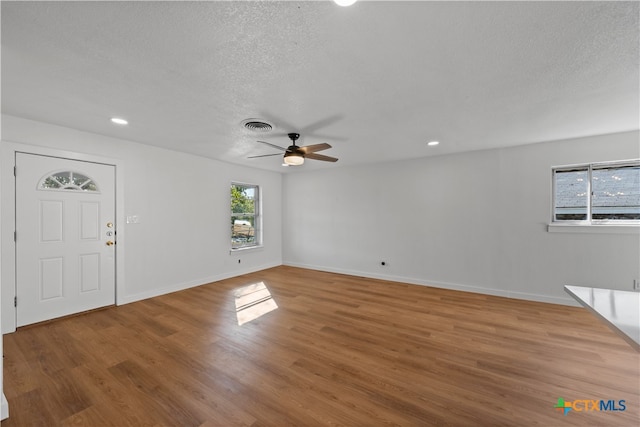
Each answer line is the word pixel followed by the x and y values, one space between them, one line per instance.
pixel 376 80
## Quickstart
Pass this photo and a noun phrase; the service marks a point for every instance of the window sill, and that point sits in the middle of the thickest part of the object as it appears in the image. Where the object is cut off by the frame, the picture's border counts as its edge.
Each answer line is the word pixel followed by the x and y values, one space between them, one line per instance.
pixel 246 248
pixel 594 229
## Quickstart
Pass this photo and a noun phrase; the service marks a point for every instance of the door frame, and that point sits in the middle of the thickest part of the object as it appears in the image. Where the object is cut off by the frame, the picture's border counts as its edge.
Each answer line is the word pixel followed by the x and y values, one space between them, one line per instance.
pixel 8 151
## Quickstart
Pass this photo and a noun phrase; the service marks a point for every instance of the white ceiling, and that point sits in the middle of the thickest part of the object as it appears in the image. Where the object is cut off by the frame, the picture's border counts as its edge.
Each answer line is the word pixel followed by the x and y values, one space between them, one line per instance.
pixel 376 80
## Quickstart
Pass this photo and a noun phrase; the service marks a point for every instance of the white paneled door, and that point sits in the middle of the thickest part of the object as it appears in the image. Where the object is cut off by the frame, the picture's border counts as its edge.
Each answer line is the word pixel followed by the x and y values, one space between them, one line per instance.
pixel 65 237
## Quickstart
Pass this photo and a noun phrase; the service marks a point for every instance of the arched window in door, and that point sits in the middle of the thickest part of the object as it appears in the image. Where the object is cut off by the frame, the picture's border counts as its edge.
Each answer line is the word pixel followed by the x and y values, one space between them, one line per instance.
pixel 68 181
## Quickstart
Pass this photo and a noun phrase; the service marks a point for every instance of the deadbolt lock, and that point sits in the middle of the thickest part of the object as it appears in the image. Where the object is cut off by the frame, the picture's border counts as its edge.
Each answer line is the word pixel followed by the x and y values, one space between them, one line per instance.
pixel 109 224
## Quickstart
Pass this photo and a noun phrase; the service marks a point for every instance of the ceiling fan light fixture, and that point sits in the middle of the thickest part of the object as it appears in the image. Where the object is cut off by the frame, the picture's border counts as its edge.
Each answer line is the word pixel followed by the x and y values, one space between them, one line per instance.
pixel 294 155
pixel 293 159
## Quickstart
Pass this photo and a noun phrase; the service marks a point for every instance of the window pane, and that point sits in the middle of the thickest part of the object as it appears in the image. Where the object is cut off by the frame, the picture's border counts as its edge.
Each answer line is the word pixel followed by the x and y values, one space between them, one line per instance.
pixel 243 232
pixel 50 183
pixel 89 186
pixel 68 180
pixel 571 196
pixel 79 179
pixel 63 178
pixel 242 199
pixel 616 193
pixel 244 215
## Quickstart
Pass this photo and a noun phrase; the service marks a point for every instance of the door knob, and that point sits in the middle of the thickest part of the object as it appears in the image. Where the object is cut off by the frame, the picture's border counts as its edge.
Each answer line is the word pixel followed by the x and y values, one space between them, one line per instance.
pixel 110 243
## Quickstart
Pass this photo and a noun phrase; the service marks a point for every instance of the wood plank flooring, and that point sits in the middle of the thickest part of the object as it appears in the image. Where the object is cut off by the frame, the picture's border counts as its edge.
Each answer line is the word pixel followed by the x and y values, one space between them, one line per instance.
pixel 337 350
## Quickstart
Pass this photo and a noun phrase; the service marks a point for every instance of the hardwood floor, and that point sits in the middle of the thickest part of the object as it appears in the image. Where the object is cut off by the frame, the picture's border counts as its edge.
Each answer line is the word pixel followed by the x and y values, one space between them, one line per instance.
pixel 337 350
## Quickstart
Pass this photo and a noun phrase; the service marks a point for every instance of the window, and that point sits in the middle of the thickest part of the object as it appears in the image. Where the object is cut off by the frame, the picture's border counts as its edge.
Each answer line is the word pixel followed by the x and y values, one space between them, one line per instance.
pixel 245 216
pixel 67 180
pixel 598 193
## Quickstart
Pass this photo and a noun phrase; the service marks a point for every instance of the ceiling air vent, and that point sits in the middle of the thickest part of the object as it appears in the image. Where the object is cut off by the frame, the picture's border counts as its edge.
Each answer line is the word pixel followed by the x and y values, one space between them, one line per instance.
pixel 257 125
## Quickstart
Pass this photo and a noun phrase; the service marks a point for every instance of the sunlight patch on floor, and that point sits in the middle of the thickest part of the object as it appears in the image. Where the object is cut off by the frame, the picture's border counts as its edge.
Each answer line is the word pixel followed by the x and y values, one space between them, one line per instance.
pixel 252 302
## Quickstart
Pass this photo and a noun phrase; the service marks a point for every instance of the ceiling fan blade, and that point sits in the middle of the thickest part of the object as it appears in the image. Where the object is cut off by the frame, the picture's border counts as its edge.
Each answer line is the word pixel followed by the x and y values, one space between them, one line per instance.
pixel 277 121
pixel 320 157
pixel 322 123
pixel 265 155
pixel 273 145
pixel 307 149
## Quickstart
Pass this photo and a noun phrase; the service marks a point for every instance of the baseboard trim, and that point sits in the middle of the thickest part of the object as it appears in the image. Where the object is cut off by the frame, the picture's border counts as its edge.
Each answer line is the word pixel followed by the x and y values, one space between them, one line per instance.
pixel 442 285
pixel 190 284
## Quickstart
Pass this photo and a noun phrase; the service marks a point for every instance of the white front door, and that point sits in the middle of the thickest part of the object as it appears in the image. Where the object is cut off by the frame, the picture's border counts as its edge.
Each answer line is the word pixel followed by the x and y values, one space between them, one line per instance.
pixel 65 237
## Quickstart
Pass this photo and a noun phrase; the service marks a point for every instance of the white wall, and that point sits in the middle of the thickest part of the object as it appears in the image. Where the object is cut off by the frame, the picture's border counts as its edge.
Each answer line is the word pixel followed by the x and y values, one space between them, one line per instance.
pixel 182 201
pixel 474 221
pixel 4 405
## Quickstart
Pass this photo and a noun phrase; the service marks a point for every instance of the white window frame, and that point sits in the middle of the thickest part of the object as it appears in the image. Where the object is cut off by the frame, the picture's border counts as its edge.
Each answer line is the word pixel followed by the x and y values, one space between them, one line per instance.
pixel 257 217
pixel 589 168
pixel 42 184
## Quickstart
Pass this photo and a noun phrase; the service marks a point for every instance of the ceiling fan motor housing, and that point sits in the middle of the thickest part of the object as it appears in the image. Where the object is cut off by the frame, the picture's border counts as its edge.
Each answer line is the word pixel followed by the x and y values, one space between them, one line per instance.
pixel 294 137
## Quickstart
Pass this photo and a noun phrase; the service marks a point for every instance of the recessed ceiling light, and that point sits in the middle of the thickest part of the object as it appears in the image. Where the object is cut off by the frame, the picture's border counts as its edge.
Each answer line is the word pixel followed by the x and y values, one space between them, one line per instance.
pixel 119 121
pixel 344 2
pixel 433 143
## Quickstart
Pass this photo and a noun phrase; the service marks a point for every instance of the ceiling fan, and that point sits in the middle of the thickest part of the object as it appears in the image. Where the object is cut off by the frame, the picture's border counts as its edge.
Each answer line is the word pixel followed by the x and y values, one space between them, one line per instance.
pixel 294 155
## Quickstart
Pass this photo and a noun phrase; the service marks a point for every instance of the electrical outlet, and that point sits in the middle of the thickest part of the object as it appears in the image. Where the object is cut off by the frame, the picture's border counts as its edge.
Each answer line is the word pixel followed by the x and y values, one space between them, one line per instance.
pixel 636 285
